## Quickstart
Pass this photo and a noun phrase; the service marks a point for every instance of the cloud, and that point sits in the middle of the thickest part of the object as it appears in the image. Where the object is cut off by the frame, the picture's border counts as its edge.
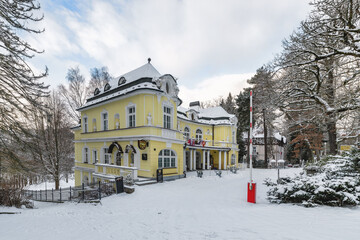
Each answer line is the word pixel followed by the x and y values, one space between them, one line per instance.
pixel 213 88
pixel 190 39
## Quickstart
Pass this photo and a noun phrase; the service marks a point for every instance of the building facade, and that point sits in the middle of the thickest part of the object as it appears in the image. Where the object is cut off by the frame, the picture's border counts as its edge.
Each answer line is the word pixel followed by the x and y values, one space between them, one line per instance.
pixel 135 125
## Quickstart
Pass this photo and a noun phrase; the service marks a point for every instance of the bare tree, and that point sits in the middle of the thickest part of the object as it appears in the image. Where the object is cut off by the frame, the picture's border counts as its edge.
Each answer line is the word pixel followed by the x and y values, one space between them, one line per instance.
pixel 20 89
pixel 75 93
pixel 99 78
pixel 52 146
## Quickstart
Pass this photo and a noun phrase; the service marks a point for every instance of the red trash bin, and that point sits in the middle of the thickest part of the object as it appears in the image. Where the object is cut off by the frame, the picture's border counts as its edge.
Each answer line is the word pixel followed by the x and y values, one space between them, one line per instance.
pixel 251 194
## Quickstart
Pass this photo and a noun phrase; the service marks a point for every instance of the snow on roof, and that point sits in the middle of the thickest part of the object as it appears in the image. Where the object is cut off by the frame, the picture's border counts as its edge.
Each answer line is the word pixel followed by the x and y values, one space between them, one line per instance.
pixel 145 85
pixel 145 71
pixel 212 115
pixel 214 112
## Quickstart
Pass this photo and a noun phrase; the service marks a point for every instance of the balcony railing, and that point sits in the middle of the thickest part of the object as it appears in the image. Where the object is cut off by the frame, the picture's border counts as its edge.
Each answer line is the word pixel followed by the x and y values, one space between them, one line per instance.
pixel 115 170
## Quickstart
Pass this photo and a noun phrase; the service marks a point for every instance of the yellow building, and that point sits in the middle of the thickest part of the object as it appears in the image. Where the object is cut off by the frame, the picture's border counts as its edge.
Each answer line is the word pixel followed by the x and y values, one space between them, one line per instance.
pixel 135 125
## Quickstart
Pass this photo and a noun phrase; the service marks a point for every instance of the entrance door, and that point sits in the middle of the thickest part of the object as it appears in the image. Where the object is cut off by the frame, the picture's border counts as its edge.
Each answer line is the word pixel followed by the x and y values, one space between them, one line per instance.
pixel 187 160
pixel 198 160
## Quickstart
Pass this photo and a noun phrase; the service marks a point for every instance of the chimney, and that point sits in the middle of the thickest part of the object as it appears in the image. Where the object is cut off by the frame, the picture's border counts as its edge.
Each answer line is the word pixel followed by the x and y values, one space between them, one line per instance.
pixel 195 105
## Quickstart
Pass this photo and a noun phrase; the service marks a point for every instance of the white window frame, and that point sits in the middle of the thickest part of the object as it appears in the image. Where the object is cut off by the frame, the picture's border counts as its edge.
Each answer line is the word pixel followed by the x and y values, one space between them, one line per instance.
pixel 172 158
pixel 103 120
pixel 128 115
pixel 187 133
pixel 85 124
pixel 167 117
pixel 106 155
pixel 94 156
pixel 86 154
pixel 198 136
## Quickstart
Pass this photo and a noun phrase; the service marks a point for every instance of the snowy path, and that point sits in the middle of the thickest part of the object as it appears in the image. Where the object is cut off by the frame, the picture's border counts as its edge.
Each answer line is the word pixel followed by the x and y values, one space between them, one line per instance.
pixel 191 208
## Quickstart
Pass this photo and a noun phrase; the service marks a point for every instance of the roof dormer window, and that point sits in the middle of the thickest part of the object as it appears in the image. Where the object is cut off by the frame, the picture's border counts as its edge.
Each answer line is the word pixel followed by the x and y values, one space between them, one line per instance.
pixel 96 92
pixel 167 87
pixel 121 81
pixel 107 87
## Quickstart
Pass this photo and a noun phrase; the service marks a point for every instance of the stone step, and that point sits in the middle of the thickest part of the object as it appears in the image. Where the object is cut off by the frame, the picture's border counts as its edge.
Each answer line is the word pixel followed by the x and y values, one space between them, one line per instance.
pixel 142 183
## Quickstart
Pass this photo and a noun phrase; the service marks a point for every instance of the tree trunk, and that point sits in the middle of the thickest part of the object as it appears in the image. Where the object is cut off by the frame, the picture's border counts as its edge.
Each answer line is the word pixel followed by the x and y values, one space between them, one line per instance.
pixel 57 183
pixel 265 142
pixel 331 130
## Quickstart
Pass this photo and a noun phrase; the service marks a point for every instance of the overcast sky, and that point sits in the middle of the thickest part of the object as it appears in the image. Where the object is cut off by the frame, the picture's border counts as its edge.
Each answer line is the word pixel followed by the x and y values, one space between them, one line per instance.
pixel 211 46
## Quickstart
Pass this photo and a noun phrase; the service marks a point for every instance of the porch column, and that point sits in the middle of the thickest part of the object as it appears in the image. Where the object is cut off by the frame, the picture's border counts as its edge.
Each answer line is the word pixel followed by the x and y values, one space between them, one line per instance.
pixel 208 159
pixel 219 160
pixel 194 158
pixel 184 160
pixel 225 160
pixel 203 159
pixel 191 158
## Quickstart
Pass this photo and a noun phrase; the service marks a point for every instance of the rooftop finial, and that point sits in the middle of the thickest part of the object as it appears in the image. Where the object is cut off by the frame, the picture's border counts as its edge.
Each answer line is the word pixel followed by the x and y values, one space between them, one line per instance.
pixel 149 60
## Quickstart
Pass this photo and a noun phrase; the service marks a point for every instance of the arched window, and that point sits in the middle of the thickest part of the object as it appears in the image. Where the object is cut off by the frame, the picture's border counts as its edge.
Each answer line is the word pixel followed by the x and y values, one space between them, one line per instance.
pixel 198 135
pixel 233 159
pixel 167 87
pixel 186 133
pixel 96 92
pixel 121 81
pixel 167 158
pixel 118 158
pixel 107 87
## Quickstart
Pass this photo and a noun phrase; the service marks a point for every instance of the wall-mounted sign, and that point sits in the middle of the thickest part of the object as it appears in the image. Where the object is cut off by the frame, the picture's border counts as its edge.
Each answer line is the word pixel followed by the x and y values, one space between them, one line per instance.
pixel 142 144
pixel 144 156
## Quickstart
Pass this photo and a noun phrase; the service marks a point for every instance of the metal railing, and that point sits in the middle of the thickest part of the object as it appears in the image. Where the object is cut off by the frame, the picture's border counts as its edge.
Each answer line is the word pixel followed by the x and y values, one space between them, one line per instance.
pixel 84 192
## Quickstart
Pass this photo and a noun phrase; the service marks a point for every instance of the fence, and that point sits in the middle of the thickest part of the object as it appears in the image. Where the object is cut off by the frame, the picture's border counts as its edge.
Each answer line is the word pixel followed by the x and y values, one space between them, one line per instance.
pixel 93 191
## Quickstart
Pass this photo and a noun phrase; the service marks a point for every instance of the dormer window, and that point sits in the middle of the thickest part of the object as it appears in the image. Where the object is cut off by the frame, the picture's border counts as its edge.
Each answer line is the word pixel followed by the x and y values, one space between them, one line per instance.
pixel 107 87
pixel 167 87
pixel 96 92
pixel 193 116
pixel 121 81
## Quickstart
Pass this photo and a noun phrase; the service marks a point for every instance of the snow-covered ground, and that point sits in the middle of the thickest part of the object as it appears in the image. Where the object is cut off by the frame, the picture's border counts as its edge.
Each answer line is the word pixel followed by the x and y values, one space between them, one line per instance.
pixel 50 184
pixel 191 208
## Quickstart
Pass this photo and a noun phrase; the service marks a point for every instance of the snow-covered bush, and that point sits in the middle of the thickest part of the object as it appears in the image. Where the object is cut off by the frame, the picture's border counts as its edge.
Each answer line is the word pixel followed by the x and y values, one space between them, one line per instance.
pixel 334 181
pixel 11 196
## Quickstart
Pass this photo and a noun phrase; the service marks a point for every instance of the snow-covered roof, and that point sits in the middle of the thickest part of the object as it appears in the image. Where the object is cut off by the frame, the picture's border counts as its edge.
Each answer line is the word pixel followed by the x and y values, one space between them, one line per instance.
pixel 213 115
pixel 259 133
pixel 144 77
pixel 145 71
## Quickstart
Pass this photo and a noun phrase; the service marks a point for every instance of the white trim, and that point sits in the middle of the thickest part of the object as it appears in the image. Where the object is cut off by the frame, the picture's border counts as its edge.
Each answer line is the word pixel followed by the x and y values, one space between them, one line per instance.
pixel 170 156
pixel 168 104
pixel 102 119
pixel 85 129
pixel 83 159
pixel 200 135
pixel 127 115
pixel 94 157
